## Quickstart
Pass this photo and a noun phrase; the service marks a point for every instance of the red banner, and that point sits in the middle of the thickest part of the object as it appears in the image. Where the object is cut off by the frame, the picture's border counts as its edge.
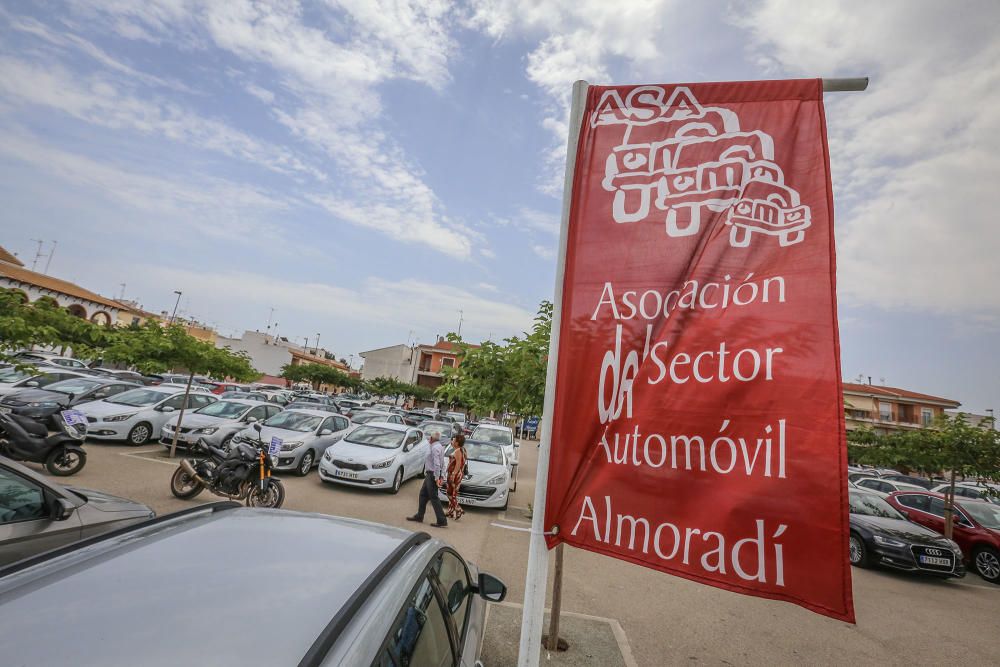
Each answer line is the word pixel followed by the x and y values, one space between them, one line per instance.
pixel 698 425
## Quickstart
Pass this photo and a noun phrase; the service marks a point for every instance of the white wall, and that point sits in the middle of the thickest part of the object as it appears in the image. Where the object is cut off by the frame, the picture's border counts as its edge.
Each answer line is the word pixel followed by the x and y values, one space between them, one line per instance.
pixel 265 356
pixel 398 362
pixel 34 293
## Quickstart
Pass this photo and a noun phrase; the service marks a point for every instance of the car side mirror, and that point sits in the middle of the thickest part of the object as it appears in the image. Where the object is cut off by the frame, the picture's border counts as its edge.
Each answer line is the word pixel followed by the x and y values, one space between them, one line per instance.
pixel 251 420
pixel 31 383
pixel 167 408
pixel 61 509
pixel 326 431
pixel 490 588
pixel 517 444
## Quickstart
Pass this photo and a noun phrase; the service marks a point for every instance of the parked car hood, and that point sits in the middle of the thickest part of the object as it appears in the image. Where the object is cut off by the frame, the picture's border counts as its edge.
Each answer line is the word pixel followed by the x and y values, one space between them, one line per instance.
pixel 102 408
pixel 362 453
pixel 106 502
pixel 481 471
pixel 195 420
pixel 268 432
pixel 33 395
pixel 900 528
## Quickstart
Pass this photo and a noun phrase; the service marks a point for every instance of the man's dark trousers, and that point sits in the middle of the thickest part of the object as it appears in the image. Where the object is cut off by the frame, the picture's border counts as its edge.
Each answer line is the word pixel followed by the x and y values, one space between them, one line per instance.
pixel 429 491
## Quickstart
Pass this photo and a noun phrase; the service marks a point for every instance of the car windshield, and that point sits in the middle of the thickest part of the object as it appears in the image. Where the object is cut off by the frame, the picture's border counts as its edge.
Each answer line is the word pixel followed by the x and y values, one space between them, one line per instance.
pixel 871 505
pixel 9 375
pixel 138 398
pixel 986 514
pixel 443 429
pixel 376 436
pixel 74 386
pixel 482 452
pixel 366 417
pixel 223 409
pixel 494 435
pixel 311 406
pixel 294 421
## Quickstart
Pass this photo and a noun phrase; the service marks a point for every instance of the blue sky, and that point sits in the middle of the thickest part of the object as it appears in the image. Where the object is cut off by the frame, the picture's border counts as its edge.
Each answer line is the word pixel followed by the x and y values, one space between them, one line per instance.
pixel 369 169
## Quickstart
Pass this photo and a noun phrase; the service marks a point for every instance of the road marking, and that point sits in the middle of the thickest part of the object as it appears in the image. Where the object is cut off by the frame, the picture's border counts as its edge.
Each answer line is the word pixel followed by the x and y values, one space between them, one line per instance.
pixel 136 455
pixel 616 629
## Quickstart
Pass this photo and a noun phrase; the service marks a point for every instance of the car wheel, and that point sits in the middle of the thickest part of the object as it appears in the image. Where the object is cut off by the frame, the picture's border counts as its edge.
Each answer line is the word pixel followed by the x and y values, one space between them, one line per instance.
pixel 397 481
pixel 857 551
pixel 306 464
pixel 987 564
pixel 140 434
pixel 513 479
pixel 227 443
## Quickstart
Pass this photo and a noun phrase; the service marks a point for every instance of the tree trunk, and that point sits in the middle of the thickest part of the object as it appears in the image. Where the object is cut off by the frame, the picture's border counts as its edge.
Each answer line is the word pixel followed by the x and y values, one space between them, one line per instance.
pixel 949 507
pixel 180 417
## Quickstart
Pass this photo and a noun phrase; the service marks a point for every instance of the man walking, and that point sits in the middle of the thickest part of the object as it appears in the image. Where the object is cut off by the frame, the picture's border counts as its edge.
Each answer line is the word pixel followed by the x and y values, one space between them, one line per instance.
pixel 433 476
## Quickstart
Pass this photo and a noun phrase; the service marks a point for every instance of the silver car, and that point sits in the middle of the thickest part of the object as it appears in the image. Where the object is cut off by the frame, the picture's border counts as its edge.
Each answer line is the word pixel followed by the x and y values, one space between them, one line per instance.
pixel 217 422
pixel 304 436
pixel 314 590
pixel 37 515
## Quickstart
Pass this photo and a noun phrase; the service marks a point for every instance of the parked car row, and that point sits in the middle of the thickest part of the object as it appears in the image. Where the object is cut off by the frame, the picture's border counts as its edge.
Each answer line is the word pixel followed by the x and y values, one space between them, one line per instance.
pixel 904 530
pixel 885 481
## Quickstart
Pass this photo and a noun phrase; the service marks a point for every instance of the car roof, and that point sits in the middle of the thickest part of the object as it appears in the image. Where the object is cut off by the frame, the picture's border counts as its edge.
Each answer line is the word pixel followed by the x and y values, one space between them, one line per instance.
pixel 494 427
pixel 309 411
pixel 244 401
pixel 214 567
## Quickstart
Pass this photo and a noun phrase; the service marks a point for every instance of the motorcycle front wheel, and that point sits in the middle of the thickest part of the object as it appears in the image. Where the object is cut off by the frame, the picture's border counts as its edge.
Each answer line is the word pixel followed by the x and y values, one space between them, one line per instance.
pixel 65 461
pixel 272 497
pixel 184 486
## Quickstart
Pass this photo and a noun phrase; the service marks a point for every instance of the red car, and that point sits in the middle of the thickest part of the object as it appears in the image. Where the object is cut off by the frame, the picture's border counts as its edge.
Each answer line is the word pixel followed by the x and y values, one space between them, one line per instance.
pixel 223 387
pixel 976 529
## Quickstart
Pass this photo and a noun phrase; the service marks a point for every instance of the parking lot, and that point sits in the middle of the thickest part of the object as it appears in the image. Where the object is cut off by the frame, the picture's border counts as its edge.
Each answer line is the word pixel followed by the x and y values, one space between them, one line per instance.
pixel 654 619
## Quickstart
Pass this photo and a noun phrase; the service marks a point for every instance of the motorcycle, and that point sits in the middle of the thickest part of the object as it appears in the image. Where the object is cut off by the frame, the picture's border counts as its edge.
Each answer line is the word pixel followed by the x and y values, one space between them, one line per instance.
pixel 242 473
pixel 24 439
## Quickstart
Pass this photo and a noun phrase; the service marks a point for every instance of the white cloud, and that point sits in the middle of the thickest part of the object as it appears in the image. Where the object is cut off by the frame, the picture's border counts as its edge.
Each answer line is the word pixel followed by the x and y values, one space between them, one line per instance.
pixel 915 157
pixel 545 252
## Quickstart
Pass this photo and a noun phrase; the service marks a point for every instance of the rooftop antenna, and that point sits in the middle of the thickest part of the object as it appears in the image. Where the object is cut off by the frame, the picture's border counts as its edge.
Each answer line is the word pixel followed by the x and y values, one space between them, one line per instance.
pixel 122 295
pixel 49 260
pixel 38 253
pixel 461 318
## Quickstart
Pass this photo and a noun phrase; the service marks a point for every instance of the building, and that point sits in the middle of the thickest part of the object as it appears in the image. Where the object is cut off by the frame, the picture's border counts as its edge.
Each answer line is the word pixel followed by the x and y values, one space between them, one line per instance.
pixel 77 300
pixel 888 409
pixel 395 361
pixel 269 354
pixel 420 364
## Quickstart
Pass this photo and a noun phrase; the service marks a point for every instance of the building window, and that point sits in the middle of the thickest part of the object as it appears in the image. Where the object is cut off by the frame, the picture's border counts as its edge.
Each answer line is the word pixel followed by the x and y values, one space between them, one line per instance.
pixel 448 361
pixel 926 416
pixel 885 411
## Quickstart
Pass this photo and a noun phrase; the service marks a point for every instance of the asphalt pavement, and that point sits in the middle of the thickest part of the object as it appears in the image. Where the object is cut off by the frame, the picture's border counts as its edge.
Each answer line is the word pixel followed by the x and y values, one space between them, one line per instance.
pixel 655 619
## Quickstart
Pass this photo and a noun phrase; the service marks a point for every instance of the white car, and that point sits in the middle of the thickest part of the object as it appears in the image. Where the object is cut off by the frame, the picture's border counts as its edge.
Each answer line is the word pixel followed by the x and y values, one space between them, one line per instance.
pixel 884 487
pixel 970 490
pixel 377 455
pixel 12 380
pixel 304 434
pixel 371 416
pixel 51 358
pixel 457 417
pixel 503 436
pixel 217 422
pixel 138 415
pixel 491 475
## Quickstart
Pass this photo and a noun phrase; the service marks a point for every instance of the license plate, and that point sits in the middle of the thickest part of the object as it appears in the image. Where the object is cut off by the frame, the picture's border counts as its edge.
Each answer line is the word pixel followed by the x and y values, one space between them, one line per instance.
pixel 5 410
pixel 345 474
pixel 932 560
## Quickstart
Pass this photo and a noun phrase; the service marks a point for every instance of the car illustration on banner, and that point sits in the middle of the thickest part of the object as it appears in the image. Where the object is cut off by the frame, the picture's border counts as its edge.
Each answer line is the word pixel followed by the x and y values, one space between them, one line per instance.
pixel 680 159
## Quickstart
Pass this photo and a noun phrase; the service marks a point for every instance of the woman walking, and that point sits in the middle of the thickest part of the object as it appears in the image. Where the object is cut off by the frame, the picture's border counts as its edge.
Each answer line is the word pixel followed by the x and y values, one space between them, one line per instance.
pixel 456 471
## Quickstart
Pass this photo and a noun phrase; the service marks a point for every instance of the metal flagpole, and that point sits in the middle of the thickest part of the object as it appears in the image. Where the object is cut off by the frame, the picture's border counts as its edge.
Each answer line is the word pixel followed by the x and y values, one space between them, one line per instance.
pixel 533 617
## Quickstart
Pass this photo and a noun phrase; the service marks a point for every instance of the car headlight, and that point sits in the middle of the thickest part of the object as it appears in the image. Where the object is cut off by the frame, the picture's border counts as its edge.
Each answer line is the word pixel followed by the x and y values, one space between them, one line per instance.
pixel 118 418
pixel 43 404
pixel 383 464
pixel 496 481
pixel 888 541
pixel 954 546
pixel 208 431
pixel 290 445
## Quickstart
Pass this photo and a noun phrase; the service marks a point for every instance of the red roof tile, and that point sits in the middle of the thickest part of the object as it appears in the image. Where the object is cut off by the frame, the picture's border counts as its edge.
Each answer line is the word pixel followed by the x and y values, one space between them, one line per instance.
pixel 895 392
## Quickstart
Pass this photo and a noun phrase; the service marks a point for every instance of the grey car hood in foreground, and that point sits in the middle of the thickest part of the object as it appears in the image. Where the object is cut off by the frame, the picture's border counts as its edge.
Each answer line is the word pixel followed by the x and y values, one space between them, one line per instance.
pixel 106 502
pixel 234 587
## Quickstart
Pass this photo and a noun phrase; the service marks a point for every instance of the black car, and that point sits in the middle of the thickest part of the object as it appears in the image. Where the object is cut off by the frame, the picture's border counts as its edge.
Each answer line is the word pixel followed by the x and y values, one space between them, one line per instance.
pixel 882 536
pixel 41 403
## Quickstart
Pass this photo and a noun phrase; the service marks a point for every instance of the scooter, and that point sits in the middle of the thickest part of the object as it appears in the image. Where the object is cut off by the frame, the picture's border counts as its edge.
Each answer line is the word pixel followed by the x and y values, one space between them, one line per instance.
pixel 24 439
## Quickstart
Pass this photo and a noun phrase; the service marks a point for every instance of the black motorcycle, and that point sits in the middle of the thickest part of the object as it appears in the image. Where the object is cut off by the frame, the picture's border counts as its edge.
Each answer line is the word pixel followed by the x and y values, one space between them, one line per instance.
pixel 242 473
pixel 24 439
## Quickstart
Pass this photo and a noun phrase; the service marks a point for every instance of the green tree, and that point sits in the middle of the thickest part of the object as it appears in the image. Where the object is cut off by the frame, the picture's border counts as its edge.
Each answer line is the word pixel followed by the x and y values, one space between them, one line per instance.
pixel 45 323
pixel 953 445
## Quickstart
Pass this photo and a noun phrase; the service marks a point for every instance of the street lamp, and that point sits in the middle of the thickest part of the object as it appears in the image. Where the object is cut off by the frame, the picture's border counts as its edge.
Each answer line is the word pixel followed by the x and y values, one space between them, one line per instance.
pixel 316 349
pixel 176 303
